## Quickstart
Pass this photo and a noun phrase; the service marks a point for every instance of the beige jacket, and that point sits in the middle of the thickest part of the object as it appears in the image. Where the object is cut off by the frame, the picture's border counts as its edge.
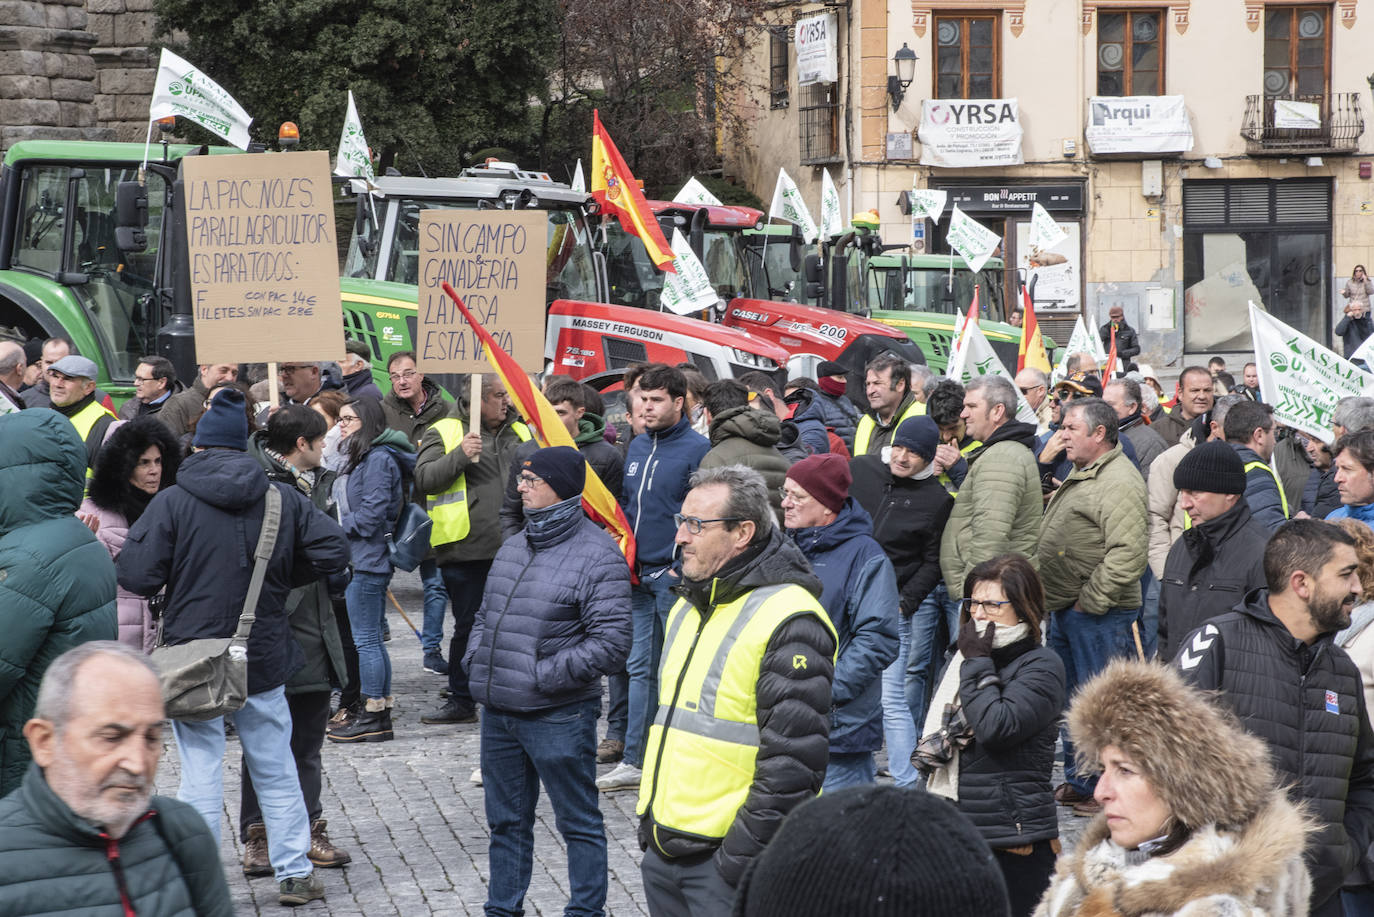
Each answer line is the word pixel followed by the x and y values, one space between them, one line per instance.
pixel 1166 517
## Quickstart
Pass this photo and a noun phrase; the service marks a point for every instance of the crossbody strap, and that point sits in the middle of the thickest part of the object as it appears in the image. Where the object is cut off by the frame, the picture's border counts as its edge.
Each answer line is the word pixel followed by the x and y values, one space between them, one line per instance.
pixel 267 542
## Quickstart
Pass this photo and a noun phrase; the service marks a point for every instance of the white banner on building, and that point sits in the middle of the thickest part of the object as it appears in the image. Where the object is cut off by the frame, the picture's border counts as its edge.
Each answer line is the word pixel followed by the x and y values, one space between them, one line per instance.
pixel 789 205
pixel 971 239
pixel 1302 379
pixel 973 356
pixel 183 91
pixel 1139 124
pixel 1303 116
pixel 928 203
pixel 354 160
pixel 688 289
pixel 694 192
pixel 958 133
pixel 832 217
pixel 817 50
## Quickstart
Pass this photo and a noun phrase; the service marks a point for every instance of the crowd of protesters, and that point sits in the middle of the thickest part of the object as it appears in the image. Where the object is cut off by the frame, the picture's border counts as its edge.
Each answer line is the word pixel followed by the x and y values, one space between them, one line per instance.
pixel 1142 579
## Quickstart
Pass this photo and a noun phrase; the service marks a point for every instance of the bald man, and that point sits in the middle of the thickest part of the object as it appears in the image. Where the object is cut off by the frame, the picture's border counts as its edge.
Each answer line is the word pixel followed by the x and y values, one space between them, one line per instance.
pixel 12 366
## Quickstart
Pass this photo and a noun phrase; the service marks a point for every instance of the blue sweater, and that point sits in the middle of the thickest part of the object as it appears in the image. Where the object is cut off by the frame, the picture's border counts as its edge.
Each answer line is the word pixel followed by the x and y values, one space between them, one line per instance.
pixel 657 466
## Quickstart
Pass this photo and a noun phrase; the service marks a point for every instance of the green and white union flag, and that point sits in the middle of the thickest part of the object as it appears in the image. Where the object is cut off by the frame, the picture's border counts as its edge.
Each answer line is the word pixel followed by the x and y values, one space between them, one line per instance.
pixel 694 192
pixel 789 205
pixel 832 220
pixel 688 289
pixel 184 92
pixel 971 239
pixel 928 203
pixel 353 160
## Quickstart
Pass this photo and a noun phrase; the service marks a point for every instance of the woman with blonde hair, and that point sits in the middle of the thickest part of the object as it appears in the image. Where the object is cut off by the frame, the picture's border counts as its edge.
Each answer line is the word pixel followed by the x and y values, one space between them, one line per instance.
pixel 1192 823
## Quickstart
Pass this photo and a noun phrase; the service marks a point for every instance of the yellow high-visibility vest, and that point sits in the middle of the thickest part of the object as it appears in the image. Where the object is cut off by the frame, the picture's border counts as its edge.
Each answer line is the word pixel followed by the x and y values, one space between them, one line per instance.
pixel 85 421
pixel 448 510
pixel 863 434
pixel 1283 497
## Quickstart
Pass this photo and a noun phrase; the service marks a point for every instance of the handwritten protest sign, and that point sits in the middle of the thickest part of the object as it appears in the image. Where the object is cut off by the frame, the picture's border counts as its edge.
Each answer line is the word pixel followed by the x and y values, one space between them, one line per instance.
pixel 494 260
pixel 264 264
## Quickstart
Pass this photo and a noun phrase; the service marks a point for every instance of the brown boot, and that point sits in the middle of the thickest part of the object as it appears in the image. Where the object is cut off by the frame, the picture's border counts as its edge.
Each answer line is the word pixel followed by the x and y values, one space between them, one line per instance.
pixel 255 859
pixel 322 852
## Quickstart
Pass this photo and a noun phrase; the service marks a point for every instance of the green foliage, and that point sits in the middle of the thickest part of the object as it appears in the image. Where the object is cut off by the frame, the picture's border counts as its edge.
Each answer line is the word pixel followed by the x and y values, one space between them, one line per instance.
pixel 435 80
pixel 728 192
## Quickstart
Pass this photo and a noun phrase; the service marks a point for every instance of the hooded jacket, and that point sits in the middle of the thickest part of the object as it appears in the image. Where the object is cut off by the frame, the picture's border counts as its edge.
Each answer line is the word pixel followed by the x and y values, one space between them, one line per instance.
pixel 117 504
pixel 859 592
pixel 1210 570
pixel 604 458
pixel 909 516
pixel 369 498
pixel 1261 490
pixel 555 617
pixel 792 710
pixel 839 414
pixel 998 508
pixel 413 425
pixel 657 466
pixel 1307 703
pixel 57 583
pixel 810 420
pixel 749 437
pixel 197 538
pixel 53 862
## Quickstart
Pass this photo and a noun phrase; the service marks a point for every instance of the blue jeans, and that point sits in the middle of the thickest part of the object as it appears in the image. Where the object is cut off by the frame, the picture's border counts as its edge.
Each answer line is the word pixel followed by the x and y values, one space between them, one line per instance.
pixel 849 769
pixel 264 726
pixel 366 598
pixel 933 627
pixel 899 729
pixel 1086 643
pixel 436 601
pixel 1149 613
pixel 650 602
pixel 558 748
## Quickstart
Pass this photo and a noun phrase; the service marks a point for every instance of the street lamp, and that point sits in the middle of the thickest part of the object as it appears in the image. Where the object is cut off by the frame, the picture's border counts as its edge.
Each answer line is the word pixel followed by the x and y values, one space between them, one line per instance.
pixel 905 61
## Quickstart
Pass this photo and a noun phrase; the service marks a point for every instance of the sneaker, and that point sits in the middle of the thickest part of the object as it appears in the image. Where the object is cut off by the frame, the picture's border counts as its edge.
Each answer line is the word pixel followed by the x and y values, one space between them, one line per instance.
pixel 300 890
pixel 625 776
pixel 451 712
pixel 476 777
pixel 435 664
pixel 256 862
pixel 610 751
pixel 322 851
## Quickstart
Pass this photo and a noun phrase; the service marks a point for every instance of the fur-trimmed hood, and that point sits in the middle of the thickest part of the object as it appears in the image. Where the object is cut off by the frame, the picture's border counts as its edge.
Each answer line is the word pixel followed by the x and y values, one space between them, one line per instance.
pixel 110 488
pixel 1195 754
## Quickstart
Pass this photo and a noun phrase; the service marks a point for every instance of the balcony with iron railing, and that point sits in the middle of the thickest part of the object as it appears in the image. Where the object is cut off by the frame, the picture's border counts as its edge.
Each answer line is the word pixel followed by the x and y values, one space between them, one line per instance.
pixel 1335 129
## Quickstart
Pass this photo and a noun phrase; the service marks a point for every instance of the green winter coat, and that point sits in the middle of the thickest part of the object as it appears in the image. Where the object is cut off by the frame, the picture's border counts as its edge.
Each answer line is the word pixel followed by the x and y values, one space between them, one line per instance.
pixel 57 582
pixel 998 508
pixel 748 437
pixel 1095 538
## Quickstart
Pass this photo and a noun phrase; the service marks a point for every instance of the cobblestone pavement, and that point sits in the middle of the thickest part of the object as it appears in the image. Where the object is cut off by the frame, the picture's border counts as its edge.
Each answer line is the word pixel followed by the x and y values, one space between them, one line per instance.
pixel 414 823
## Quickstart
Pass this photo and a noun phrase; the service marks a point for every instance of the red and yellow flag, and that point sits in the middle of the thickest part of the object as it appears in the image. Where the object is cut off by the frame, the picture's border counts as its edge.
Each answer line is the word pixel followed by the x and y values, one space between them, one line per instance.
pixel 615 189
pixel 548 427
pixel 1110 368
pixel 1032 348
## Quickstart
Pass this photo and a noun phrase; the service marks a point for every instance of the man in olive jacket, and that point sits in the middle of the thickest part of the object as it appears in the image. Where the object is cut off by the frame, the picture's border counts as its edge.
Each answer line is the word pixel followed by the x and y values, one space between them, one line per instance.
pixel 999 504
pixel 1092 554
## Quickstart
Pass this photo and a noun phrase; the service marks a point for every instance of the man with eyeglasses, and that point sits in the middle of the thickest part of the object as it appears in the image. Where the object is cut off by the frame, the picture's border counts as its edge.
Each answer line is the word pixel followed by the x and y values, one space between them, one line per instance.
pixel 182 409
pixel 155 382
pixel 742 730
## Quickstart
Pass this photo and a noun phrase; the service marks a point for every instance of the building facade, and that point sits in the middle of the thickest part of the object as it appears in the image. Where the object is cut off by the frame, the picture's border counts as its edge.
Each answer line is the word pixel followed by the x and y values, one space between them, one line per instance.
pixel 1199 154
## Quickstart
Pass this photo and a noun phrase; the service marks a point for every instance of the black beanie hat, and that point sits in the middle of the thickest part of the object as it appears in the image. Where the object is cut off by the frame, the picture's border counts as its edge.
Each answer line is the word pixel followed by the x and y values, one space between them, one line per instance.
pixel 1213 467
pixel 919 434
pixel 224 423
pixel 561 467
pixel 874 850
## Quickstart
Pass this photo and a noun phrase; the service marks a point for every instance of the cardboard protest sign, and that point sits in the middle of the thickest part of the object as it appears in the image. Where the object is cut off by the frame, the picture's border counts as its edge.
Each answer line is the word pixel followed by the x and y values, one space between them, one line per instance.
pixel 263 258
pixel 494 260
pixel 1302 379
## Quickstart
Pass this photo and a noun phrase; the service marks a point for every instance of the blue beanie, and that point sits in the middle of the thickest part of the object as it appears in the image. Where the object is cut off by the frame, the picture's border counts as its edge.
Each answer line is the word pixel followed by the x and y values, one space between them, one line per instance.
pixel 224 423
pixel 561 467
pixel 919 434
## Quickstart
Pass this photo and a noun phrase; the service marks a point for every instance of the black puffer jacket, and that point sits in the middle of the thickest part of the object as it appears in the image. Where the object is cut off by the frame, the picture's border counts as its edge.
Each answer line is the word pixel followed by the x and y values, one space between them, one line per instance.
pixel 909 518
pixel 793 705
pixel 1307 703
pixel 1013 701
pixel 1209 571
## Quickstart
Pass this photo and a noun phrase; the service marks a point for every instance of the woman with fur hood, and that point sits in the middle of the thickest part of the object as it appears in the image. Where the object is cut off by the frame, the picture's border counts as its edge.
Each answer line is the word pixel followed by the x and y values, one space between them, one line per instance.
pixel 1192 824
pixel 138 459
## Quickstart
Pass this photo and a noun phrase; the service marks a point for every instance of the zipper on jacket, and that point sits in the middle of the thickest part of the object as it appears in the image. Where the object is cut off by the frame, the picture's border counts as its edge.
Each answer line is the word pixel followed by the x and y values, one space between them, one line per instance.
pixel 668 721
pixel 496 628
pixel 112 855
pixel 643 479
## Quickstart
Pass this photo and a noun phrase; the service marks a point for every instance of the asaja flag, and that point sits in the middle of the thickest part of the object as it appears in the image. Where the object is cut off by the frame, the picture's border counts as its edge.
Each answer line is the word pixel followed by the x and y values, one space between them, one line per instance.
pixel 973 356
pixel 694 192
pixel 971 239
pixel 1079 342
pixel 615 189
pixel 928 203
pixel 1045 233
pixel 184 92
pixel 603 509
pixel 788 205
pixel 1031 351
pixel 579 181
pixel 1302 379
pixel 832 219
pixel 688 289
pixel 354 159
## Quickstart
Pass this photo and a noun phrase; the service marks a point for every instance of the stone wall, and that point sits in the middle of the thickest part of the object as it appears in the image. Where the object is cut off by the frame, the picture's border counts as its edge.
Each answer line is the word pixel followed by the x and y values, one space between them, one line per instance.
pixel 125 68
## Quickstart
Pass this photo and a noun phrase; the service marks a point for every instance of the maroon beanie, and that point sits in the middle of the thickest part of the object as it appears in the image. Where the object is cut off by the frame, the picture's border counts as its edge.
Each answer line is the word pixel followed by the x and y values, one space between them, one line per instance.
pixel 825 477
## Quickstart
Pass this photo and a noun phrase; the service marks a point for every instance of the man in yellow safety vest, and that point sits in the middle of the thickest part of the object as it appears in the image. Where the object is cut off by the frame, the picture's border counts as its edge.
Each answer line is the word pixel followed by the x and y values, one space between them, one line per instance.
pixel 887 382
pixel 1249 429
pixel 71 385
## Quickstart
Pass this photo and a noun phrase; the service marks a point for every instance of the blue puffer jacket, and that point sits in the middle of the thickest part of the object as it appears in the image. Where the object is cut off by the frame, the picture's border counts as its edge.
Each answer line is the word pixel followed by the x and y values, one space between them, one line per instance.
pixel 839 414
pixel 657 466
pixel 860 595
pixel 369 499
pixel 810 421
pixel 1363 513
pixel 57 583
pixel 555 616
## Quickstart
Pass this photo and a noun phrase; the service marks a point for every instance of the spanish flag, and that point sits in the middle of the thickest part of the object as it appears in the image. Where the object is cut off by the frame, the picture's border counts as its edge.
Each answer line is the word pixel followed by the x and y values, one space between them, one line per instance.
pixel 1032 349
pixel 548 427
pixel 1110 369
pixel 616 190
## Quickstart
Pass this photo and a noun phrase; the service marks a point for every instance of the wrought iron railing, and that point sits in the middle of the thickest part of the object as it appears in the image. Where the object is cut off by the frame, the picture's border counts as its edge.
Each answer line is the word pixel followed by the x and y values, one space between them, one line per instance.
pixel 1336 128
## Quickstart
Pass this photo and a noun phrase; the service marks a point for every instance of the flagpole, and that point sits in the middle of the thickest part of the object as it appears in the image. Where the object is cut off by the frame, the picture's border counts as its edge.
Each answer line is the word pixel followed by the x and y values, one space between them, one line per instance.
pixel 147 145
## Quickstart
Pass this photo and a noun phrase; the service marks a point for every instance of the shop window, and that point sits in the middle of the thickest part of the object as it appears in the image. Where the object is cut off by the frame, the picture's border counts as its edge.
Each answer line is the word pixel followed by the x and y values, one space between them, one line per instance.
pixel 1297 52
pixel 1130 53
pixel 967 56
pixel 777 66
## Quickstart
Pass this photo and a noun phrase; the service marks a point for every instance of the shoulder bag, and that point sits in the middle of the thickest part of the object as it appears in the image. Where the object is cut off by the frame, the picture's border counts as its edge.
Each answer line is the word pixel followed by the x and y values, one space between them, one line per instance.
pixel 407 544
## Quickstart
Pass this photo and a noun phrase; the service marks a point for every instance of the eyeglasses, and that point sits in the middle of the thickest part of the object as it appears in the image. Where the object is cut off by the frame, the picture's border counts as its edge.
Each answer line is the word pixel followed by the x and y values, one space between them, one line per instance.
pixel 987 608
pixel 138 378
pixel 528 480
pixel 1029 388
pixel 796 499
pixel 695 525
pixel 348 421
pixel 405 376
